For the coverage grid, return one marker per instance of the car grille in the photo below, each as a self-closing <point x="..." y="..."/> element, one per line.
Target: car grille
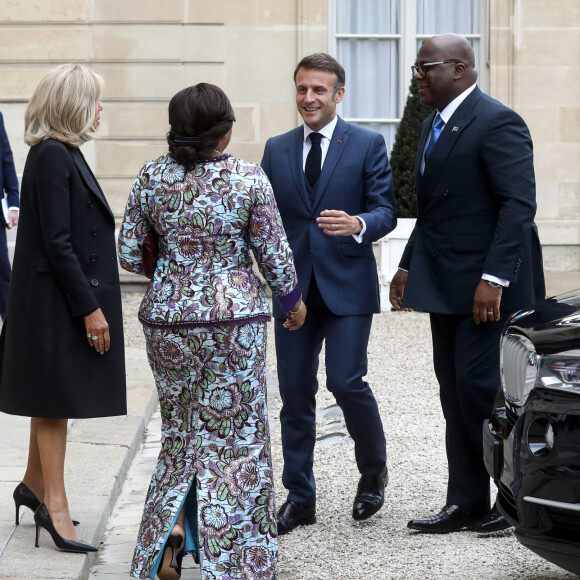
<point x="507" y="500"/>
<point x="518" y="364"/>
<point x="564" y="523"/>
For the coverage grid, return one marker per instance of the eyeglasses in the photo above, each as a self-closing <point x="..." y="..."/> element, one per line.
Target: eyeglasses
<point x="420" y="70"/>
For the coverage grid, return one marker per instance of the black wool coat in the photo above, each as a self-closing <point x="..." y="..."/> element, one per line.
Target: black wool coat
<point x="64" y="268"/>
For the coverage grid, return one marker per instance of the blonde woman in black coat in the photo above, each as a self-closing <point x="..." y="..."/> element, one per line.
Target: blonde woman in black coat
<point x="61" y="347"/>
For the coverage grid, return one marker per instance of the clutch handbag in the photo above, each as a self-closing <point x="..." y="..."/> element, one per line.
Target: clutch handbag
<point x="149" y="253"/>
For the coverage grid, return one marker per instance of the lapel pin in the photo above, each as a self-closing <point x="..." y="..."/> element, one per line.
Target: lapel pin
<point x="455" y="129"/>
<point x="338" y="141"/>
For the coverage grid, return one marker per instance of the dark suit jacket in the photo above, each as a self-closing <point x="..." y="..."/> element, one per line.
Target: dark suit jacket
<point x="356" y="178"/>
<point x="476" y="207"/>
<point x="8" y="179"/>
<point x="64" y="267"/>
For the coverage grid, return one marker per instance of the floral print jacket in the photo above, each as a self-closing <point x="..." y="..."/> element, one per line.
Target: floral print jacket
<point x="207" y="221"/>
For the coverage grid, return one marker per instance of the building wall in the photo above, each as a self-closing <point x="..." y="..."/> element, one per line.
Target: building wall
<point x="535" y="69"/>
<point x="148" y="50"/>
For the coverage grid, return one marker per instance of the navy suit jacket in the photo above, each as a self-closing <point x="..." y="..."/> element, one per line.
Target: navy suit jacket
<point x="356" y="178"/>
<point x="476" y="207"/>
<point x="8" y="179"/>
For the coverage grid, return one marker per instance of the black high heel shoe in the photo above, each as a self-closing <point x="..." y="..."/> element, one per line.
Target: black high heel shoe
<point x="24" y="497"/>
<point x="170" y="568"/>
<point x="43" y="520"/>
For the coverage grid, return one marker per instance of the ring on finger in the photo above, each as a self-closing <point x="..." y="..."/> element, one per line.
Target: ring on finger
<point x="94" y="337"/>
<point x="490" y="313"/>
<point x="335" y="226"/>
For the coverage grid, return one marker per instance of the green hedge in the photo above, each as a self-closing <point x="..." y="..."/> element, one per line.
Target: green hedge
<point x="404" y="151"/>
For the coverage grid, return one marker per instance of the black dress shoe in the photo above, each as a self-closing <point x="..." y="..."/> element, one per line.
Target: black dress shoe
<point x="451" y="518"/>
<point x="492" y="521"/>
<point x="293" y="514"/>
<point x="42" y="519"/>
<point x="370" y="495"/>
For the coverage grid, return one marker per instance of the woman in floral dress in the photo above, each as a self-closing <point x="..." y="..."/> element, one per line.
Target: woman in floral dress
<point x="204" y="317"/>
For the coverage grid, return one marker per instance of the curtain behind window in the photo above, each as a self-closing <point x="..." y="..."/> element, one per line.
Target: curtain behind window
<point x="440" y="16"/>
<point x="371" y="63"/>
<point x="368" y="45"/>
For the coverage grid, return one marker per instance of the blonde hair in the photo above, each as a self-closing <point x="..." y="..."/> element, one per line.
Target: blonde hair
<point x="63" y="106"/>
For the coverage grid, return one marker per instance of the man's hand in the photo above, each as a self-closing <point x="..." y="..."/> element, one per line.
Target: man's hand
<point x="486" y="303"/>
<point x="397" y="289"/>
<point x="338" y="223"/>
<point x="12" y="218"/>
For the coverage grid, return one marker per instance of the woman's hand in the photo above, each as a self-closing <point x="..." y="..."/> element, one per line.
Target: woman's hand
<point x="98" y="331"/>
<point x="296" y="316"/>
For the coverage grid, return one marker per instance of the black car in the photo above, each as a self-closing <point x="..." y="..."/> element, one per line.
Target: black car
<point x="532" y="443"/>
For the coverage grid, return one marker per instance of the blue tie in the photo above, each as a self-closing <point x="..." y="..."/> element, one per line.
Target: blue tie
<point x="435" y="132"/>
<point x="313" y="160"/>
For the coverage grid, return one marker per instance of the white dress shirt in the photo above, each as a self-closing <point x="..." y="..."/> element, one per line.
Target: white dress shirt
<point x="326" y="133"/>
<point x="445" y="115"/>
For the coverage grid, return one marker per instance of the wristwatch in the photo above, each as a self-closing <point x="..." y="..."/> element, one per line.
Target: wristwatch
<point x="494" y="284"/>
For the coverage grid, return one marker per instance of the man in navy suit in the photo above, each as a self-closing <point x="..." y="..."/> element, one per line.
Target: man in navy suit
<point x="8" y="186"/>
<point x="333" y="185"/>
<point x="473" y="258"/>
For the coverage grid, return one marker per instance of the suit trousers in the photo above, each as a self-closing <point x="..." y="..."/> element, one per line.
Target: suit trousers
<point x="4" y="271"/>
<point x="466" y="361"/>
<point x="346" y="339"/>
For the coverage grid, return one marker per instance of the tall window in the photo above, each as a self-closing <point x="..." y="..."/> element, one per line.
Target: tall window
<point x="377" y="42"/>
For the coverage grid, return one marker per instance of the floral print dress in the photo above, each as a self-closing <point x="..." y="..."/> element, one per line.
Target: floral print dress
<point x="204" y="316"/>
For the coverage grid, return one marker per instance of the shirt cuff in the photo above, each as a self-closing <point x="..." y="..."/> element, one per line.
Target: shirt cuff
<point x="287" y="301"/>
<point x="501" y="281"/>
<point x="13" y="209"/>
<point x="359" y="237"/>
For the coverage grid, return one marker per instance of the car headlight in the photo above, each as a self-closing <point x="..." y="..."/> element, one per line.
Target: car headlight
<point x="561" y="371"/>
<point x="519" y="367"/>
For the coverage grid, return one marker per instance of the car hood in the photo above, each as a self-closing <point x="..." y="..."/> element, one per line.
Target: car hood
<point x="553" y="325"/>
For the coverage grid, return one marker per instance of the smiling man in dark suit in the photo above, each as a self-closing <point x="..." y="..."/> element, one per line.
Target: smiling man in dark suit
<point x="333" y="185"/>
<point x="8" y="187"/>
<point x="473" y="258"/>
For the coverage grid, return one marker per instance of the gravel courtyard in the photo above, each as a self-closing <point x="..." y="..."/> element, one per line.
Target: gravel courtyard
<point x="382" y="548"/>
